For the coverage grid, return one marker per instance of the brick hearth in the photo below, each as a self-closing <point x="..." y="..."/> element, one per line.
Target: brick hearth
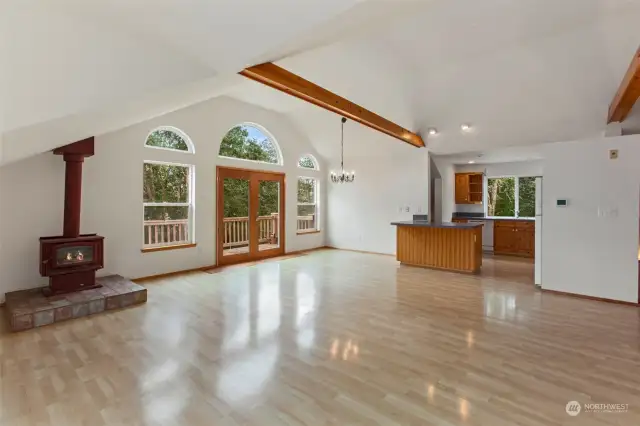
<point x="28" y="309"/>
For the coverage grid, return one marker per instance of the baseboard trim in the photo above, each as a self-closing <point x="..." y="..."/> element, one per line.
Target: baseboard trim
<point x="361" y="251"/>
<point x="597" y="299"/>
<point x="306" y="250"/>
<point x="210" y="267"/>
<point x="171" y="274"/>
<point x="435" y="268"/>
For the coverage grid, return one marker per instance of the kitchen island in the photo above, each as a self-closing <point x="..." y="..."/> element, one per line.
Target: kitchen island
<point x="444" y="245"/>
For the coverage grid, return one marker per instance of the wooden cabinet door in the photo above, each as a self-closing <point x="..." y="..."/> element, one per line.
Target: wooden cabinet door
<point x="530" y="245"/>
<point x="515" y="237"/>
<point x="462" y="188"/>
<point x="503" y="237"/>
<point x="525" y="241"/>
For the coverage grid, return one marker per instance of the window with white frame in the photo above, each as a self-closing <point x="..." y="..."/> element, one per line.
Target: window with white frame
<point x="308" y="161"/>
<point x="307" y="205"/>
<point x="511" y="196"/>
<point x="250" y="142"/>
<point x="169" y="138"/>
<point x="168" y="204"/>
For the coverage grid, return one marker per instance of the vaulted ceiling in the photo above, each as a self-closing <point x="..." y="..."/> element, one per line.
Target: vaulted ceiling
<point x="520" y="72"/>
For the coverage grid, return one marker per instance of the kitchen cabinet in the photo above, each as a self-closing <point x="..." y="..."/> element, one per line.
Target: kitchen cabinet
<point x="468" y="188"/>
<point x="452" y="247"/>
<point x="514" y="237"/>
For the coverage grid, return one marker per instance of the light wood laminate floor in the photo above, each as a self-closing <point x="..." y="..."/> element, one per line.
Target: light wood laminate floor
<point x="331" y="338"/>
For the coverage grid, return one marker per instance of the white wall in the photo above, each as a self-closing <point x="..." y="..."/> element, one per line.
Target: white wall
<point x="518" y="168"/>
<point x="360" y="212"/>
<point x="32" y="191"/>
<point x="447" y="191"/>
<point x="437" y="189"/>
<point x="582" y="251"/>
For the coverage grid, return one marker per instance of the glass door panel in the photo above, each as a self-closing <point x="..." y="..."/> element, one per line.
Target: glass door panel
<point x="268" y="215"/>
<point x="235" y="230"/>
<point x="250" y="215"/>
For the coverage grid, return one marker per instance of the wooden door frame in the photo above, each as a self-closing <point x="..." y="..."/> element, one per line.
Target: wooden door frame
<point x="253" y="176"/>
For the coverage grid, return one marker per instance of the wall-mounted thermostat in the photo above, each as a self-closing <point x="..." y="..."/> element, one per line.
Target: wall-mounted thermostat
<point x="562" y="203"/>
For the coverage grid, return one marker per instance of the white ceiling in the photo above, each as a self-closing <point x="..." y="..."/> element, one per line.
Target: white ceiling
<point x="68" y="66"/>
<point x="498" y="155"/>
<point x="521" y="72"/>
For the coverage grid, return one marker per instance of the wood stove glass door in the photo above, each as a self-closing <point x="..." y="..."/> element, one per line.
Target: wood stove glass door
<point x="249" y="215"/>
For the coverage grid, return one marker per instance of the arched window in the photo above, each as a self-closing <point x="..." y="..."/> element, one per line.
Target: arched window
<point x="308" y="161"/>
<point x="250" y="142"/>
<point x="169" y="138"/>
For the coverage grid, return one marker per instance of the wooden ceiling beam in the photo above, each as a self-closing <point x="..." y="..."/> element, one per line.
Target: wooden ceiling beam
<point x="628" y="92"/>
<point x="285" y="81"/>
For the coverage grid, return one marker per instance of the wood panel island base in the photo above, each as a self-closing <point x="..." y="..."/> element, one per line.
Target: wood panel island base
<point x="449" y="246"/>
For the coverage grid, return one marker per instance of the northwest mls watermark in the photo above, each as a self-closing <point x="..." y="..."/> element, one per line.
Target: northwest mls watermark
<point x="574" y="408"/>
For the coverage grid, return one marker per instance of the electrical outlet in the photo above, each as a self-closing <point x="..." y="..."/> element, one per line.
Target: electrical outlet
<point x="613" y="154"/>
<point x="407" y="209"/>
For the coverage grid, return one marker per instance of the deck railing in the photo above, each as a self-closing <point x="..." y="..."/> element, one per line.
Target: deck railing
<point x="236" y="230"/>
<point x="306" y="223"/>
<point x="166" y="232"/>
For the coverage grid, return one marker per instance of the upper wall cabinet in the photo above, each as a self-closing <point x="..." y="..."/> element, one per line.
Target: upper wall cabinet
<point x="469" y="188"/>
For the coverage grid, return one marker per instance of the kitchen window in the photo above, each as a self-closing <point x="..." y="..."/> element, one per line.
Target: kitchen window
<point x="511" y="196"/>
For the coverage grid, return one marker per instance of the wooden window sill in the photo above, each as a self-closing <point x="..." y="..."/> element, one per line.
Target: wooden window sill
<point x="308" y="232"/>
<point x="165" y="248"/>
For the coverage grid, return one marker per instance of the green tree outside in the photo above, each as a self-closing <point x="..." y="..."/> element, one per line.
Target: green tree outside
<point x="170" y="183"/>
<point x="164" y="138"/>
<point x="163" y="183"/>
<point x="306" y="162"/>
<point x="501" y="197"/>
<point x="238" y="143"/>
<point x="527" y="196"/>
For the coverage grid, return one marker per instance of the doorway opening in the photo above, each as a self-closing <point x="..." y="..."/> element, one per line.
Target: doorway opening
<point x="250" y="215"/>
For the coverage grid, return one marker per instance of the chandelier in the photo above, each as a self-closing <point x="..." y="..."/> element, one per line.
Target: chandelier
<point x="342" y="177"/>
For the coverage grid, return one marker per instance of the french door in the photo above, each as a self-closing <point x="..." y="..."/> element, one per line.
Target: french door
<point x="250" y="215"/>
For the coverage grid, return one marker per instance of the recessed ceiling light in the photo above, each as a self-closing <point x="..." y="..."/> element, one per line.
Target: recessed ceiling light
<point x="465" y="127"/>
<point x="433" y="131"/>
<point x="471" y="161"/>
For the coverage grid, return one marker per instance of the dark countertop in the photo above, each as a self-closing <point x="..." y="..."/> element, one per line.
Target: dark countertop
<point x="492" y="218"/>
<point x="425" y="224"/>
